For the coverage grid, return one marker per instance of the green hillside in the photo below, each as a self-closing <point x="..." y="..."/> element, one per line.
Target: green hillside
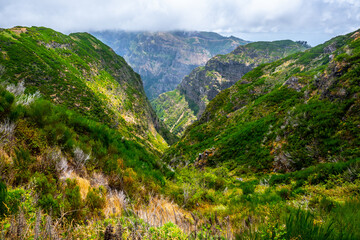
<point x="83" y="74"/>
<point x="78" y="138"/>
<point x="299" y="109"/>
<point x="182" y="106"/>
<point x="278" y="152"/>
<point x="275" y="156"/>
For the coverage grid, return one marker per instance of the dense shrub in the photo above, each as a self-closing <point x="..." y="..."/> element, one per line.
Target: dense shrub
<point x="48" y="194"/>
<point x="284" y="193"/>
<point x="3" y="195"/>
<point x="248" y="188"/>
<point x="95" y="199"/>
<point x="22" y="163"/>
<point x="73" y="201"/>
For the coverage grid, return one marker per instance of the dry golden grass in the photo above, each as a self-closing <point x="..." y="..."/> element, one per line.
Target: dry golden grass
<point x="83" y="184"/>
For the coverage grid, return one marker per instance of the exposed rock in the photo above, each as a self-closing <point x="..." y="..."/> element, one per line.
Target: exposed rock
<point x="356" y="35"/>
<point x="202" y="159"/>
<point x="330" y="48"/>
<point x="163" y="59"/>
<point x="55" y="45"/>
<point x="293" y="82"/>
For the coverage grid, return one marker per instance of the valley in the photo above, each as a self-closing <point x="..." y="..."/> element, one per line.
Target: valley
<point x="197" y="89"/>
<point x="266" y="146"/>
<point x="164" y="58"/>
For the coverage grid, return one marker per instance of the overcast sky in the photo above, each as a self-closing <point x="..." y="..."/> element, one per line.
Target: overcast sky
<point x="311" y="20"/>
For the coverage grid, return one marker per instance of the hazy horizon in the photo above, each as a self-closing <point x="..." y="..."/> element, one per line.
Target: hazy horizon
<point x="312" y="21"/>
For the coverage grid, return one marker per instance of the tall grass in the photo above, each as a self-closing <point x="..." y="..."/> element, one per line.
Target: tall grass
<point x="300" y="225"/>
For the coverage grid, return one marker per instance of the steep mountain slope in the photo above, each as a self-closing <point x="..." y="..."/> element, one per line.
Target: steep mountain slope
<point x="64" y="175"/>
<point x="78" y="143"/>
<point x="283" y="116"/>
<point x="179" y="108"/>
<point x="83" y="74"/>
<point x="164" y="58"/>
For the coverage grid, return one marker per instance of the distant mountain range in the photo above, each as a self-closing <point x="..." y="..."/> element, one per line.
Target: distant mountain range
<point x="163" y="59"/>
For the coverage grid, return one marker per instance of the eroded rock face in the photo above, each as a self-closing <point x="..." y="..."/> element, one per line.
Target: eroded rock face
<point x="204" y="83"/>
<point x="223" y="71"/>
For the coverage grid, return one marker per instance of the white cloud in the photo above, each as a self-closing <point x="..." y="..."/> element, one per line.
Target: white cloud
<point x="275" y="17"/>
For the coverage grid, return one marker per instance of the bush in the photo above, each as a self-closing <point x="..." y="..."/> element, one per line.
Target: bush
<point x="22" y="163"/>
<point x="326" y="205"/>
<point x="3" y="195"/>
<point x="95" y="199"/>
<point x="14" y="199"/>
<point x="284" y="193"/>
<point x="73" y="201"/>
<point x="6" y="101"/>
<point x="40" y="112"/>
<point x="248" y="188"/>
<point x="46" y="188"/>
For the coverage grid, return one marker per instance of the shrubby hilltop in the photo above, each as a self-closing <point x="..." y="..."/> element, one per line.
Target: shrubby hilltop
<point x="83" y="74"/>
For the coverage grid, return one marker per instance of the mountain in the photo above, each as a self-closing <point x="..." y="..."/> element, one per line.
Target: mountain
<point x="164" y="58"/>
<point x="285" y="115"/>
<point x="277" y="153"/>
<point x="78" y="137"/>
<point x="272" y="157"/>
<point x="182" y="106"/>
<point x="83" y="74"/>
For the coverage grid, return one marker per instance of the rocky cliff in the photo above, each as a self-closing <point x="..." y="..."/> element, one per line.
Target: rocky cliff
<point x="219" y="73"/>
<point x="164" y="58"/>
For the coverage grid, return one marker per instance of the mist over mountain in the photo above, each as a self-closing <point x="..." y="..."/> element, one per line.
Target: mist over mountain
<point x="164" y="58"/>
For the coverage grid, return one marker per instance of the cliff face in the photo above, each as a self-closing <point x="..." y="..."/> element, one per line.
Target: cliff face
<point x="219" y="73"/>
<point x="164" y="58"/>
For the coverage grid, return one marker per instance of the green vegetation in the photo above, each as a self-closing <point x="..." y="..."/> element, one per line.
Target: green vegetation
<point x="275" y="156"/>
<point x="83" y="74"/>
<point x="219" y="73"/>
<point x="173" y="109"/>
<point x="64" y="142"/>
<point x="285" y="138"/>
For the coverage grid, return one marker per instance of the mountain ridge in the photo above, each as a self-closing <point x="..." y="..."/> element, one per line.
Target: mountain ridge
<point x="222" y="71"/>
<point x="87" y="72"/>
<point x="250" y="109"/>
<point x="164" y="58"/>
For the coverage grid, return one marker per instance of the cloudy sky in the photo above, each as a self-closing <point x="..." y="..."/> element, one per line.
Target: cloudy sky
<point x="311" y="20"/>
